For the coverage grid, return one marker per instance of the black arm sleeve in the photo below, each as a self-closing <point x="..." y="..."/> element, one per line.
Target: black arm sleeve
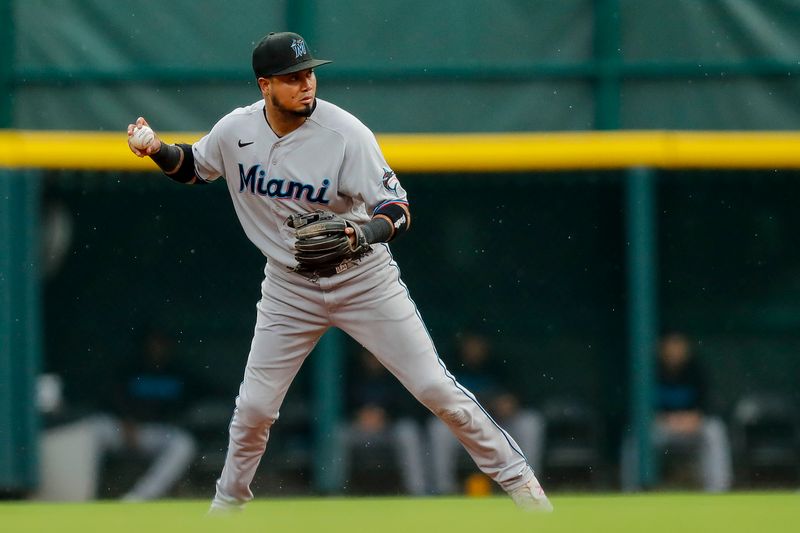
<point x="167" y="158"/>
<point x="177" y="162"/>
<point x="377" y="230"/>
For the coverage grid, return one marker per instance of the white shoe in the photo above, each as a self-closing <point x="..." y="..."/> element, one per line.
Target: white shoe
<point x="219" y="511"/>
<point x="531" y="497"/>
<point x="221" y="508"/>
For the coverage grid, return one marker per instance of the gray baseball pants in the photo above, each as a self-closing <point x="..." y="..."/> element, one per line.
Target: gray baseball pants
<point x="371" y="304"/>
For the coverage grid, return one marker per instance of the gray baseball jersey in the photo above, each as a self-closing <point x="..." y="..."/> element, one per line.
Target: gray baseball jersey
<point x="331" y="162"/>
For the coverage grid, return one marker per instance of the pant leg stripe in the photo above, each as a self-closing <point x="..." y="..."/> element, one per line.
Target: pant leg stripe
<point x="441" y="363"/>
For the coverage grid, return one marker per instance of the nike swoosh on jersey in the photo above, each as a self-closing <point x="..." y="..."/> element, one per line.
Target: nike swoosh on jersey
<point x="242" y="145"/>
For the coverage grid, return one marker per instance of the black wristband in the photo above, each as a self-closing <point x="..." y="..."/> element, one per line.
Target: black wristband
<point x="377" y="230"/>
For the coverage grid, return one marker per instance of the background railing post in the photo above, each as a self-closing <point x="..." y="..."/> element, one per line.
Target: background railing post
<point x="20" y="332"/>
<point x="642" y="246"/>
<point x="7" y="63"/>
<point x="608" y="56"/>
<point x="327" y="392"/>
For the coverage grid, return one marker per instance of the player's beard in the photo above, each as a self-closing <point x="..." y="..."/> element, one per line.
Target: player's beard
<point x="304" y="112"/>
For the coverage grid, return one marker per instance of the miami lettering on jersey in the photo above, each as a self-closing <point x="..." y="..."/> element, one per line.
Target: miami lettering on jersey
<point x="255" y="180"/>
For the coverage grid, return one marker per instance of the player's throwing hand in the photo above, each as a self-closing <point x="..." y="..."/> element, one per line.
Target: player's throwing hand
<point x="142" y="140"/>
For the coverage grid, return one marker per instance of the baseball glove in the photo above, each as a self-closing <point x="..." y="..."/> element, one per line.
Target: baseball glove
<point x="322" y="247"/>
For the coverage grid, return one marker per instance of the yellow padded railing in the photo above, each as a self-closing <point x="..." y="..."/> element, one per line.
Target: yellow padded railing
<point x="485" y="152"/>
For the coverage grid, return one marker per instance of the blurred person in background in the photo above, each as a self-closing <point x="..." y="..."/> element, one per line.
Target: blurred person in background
<point x="681" y="419"/>
<point x="480" y="372"/>
<point x="381" y="415"/>
<point x="150" y="396"/>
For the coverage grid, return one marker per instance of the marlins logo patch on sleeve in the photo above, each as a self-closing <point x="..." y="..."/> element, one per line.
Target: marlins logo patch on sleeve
<point x="391" y="183"/>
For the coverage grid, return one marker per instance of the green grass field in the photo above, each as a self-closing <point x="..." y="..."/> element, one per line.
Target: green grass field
<point x="652" y="513"/>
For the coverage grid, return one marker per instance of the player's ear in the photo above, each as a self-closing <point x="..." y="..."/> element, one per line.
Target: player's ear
<point x="263" y="84"/>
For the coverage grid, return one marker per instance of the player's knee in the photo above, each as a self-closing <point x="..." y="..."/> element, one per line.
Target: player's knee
<point x="255" y="414"/>
<point x="453" y="416"/>
<point x="433" y="396"/>
<point x="438" y="397"/>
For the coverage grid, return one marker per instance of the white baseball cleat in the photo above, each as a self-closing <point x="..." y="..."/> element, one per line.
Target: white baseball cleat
<point x="530" y="497"/>
<point x="222" y="508"/>
<point x="219" y="511"/>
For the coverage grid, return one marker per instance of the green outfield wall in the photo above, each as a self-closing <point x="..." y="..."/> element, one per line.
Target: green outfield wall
<point x="411" y="66"/>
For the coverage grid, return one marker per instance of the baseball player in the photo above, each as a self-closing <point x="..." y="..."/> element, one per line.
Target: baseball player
<point x="314" y="193"/>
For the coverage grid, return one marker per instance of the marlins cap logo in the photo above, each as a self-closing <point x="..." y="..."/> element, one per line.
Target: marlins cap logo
<point x="299" y="47"/>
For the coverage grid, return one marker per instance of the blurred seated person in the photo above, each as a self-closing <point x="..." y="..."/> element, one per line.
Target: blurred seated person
<point x="482" y="374"/>
<point x="152" y="395"/>
<point x="681" y="420"/>
<point x="380" y="416"/>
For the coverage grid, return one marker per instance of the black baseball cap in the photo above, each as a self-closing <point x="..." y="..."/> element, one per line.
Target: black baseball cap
<point x="283" y="53"/>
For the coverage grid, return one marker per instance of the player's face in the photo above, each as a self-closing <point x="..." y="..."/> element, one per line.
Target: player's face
<point x="293" y="93"/>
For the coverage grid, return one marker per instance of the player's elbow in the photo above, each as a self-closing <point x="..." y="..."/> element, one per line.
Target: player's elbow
<point x="184" y="172"/>
<point x="407" y="209"/>
<point x="397" y="214"/>
<point x="402" y="223"/>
